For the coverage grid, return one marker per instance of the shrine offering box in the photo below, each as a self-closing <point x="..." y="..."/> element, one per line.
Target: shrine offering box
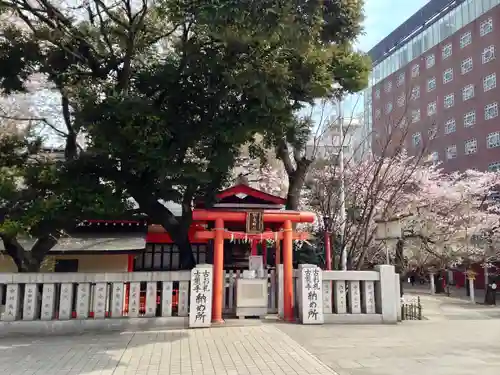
<point x="251" y="297"/>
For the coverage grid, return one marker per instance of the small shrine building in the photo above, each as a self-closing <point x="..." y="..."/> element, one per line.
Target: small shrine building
<point x="243" y="221"/>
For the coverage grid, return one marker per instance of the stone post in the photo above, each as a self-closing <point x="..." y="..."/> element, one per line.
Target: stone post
<point x="279" y="269"/>
<point x="300" y="290"/>
<point x="433" y="285"/>
<point x="386" y="293"/>
<point x="311" y="295"/>
<point x="398" y="297"/>
<point x="471" y="287"/>
<point x="200" y="304"/>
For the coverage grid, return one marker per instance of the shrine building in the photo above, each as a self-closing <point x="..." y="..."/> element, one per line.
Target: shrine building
<point x="243" y="221"/>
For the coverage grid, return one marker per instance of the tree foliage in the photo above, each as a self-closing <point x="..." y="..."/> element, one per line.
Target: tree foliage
<point x="167" y="91"/>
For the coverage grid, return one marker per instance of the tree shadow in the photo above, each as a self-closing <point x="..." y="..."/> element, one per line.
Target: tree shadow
<point x="83" y="353"/>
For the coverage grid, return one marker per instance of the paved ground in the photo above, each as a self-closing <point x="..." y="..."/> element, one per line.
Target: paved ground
<point x="256" y="349"/>
<point x="457" y="339"/>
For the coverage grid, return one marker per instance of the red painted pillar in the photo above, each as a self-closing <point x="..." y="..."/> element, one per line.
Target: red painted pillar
<point x="130" y="268"/>
<point x="288" y="272"/>
<point x="264" y="252"/>
<point x="254" y="247"/>
<point x="328" y="251"/>
<point x="218" y="271"/>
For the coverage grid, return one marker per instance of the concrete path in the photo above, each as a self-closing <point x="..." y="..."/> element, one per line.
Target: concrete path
<point x="250" y="350"/>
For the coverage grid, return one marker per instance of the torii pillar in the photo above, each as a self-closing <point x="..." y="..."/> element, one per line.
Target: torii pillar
<point x="288" y="315"/>
<point x="218" y="263"/>
<point x="219" y="234"/>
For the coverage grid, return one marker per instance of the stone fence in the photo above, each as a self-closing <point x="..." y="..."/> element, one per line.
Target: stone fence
<point x="346" y="296"/>
<point x="77" y="302"/>
<point x="72" y="302"/>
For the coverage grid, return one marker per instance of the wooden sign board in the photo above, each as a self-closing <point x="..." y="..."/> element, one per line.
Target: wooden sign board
<point x="255" y="222"/>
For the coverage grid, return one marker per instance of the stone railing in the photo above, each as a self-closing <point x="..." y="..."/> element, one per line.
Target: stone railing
<point x="346" y="296"/>
<point x="49" y="302"/>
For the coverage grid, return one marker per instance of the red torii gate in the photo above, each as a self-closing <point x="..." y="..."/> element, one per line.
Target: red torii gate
<point x="219" y="233"/>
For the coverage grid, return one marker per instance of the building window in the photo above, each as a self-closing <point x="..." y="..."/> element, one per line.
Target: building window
<point x="493" y="140"/>
<point x="430" y="60"/>
<point x="166" y="257"/>
<point x="415" y="71"/>
<point x="466" y="65"/>
<point x="465" y="39"/>
<point x="448" y="75"/>
<point x="388" y="107"/>
<point x="488" y="54"/>
<point x="490" y="82"/>
<point x="432" y="132"/>
<point x="401" y="79"/>
<point x="486" y="27"/>
<point x="377" y="114"/>
<point x="431" y="84"/>
<point x="388" y="86"/>
<point x="415" y="115"/>
<point x="401" y="100"/>
<point x="449" y="100"/>
<point x="431" y="108"/>
<point x="470" y="146"/>
<point x="450" y="126"/>
<point x="377" y="94"/>
<point x="415" y="93"/>
<point x="451" y="152"/>
<point x="417" y="139"/>
<point x="468" y="92"/>
<point x="446" y="51"/>
<point x="490" y="111"/>
<point x="469" y="119"/>
<point x="494" y="167"/>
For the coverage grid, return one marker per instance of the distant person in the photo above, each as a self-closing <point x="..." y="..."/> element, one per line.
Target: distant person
<point x="412" y="279"/>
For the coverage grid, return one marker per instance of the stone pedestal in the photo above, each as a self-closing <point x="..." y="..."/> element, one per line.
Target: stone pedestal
<point x="200" y="312"/>
<point x="251" y="297"/>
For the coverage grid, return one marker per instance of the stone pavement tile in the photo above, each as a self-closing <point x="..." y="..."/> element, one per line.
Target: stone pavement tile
<point x="447" y="347"/>
<point x="250" y="350"/>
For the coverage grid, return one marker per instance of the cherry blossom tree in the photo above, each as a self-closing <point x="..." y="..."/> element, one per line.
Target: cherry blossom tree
<point x="456" y="216"/>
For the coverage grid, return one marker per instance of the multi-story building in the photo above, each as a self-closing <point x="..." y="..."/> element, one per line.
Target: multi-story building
<point x="328" y="144"/>
<point x="435" y="79"/>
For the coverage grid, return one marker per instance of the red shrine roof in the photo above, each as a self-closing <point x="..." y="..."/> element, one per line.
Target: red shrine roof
<point x="242" y="195"/>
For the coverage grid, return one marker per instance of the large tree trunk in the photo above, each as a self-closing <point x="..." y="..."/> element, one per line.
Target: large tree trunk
<point x="28" y="260"/>
<point x="296" y="181"/>
<point x="176" y="227"/>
